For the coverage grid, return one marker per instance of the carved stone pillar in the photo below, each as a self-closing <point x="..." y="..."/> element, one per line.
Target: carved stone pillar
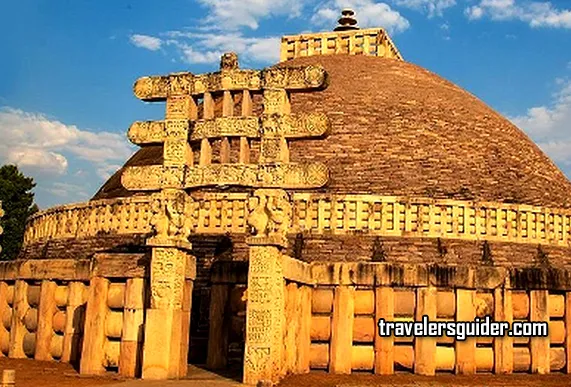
<point x="167" y="321"/>
<point x="270" y="217"/>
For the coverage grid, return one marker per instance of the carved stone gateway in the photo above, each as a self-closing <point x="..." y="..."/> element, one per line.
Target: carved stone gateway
<point x="167" y="324"/>
<point x="271" y="208"/>
<point x="183" y="128"/>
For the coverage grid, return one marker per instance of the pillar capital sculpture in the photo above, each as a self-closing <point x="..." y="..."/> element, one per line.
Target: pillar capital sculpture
<point x="270" y="217"/>
<point x="170" y="222"/>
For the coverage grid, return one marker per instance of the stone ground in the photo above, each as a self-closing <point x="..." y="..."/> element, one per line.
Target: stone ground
<point x="30" y="373"/>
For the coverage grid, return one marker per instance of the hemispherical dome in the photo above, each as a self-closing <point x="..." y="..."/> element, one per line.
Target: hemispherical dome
<point x="400" y="130"/>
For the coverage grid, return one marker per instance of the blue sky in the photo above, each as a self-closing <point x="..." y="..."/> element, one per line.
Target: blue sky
<point x="67" y="67"/>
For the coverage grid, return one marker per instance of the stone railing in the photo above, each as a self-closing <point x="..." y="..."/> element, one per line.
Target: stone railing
<point x="332" y="311"/>
<point x="418" y="217"/>
<point x="217" y="213"/>
<point x="349" y="299"/>
<point x="212" y="214"/>
<point x="114" y="216"/>
<point x="55" y="309"/>
<point x="372" y="42"/>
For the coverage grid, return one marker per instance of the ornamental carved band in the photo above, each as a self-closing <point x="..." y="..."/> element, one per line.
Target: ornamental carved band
<point x="182" y="131"/>
<point x="276" y="175"/>
<point x="289" y="126"/>
<point x="159" y="88"/>
<point x="167" y="277"/>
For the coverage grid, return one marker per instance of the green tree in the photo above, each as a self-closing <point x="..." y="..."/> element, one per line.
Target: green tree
<point x="18" y="204"/>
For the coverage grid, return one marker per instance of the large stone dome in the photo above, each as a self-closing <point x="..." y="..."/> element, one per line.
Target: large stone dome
<point x="398" y="129"/>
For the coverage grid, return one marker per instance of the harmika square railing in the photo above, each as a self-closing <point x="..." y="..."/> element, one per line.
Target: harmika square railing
<point x="372" y="42"/>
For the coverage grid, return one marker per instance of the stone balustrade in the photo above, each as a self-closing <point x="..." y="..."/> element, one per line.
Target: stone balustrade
<point x="332" y="311"/>
<point x="372" y="41"/>
<point x="121" y="216"/>
<point x="218" y="213"/>
<point x="420" y="217"/>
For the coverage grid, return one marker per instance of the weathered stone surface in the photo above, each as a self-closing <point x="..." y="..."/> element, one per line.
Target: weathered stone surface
<point x="167" y="319"/>
<point x="274" y="175"/>
<point x="265" y="316"/>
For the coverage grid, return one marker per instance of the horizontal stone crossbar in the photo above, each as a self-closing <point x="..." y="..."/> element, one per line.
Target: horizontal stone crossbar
<point x="158" y="88"/>
<point x="106" y="265"/>
<point x="271" y="175"/>
<point x="380" y="274"/>
<point x="288" y="125"/>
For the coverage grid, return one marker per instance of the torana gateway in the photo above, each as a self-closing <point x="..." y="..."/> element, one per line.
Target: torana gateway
<point x="275" y="215"/>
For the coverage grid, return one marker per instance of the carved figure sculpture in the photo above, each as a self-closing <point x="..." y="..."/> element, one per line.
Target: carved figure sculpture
<point x="171" y="218"/>
<point x="229" y="61"/>
<point x="270" y="213"/>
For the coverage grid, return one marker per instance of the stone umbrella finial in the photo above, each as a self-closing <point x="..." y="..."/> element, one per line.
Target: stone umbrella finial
<point x="229" y="61"/>
<point x="347" y="21"/>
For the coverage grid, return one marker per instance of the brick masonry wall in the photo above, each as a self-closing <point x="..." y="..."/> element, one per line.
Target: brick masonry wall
<point x="353" y="248"/>
<point x="398" y="129"/>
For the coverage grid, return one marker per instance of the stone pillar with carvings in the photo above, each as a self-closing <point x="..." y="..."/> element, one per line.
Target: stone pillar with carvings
<point x="168" y="318"/>
<point x="269" y="219"/>
<point x="167" y="323"/>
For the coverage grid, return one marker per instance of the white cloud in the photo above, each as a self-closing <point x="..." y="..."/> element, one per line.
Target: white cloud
<point x="432" y="7"/>
<point x="200" y="47"/>
<point x="536" y="14"/>
<point x="222" y="30"/>
<point x="66" y="190"/>
<point x="146" y="41"/>
<point x="559" y="151"/>
<point x="550" y="125"/>
<point x="474" y="13"/>
<point x="41" y="144"/>
<point x="369" y="13"/>
<point x="38" y="159"/>
<point x="191" y="55"/>
<point x="233" y="14"/>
